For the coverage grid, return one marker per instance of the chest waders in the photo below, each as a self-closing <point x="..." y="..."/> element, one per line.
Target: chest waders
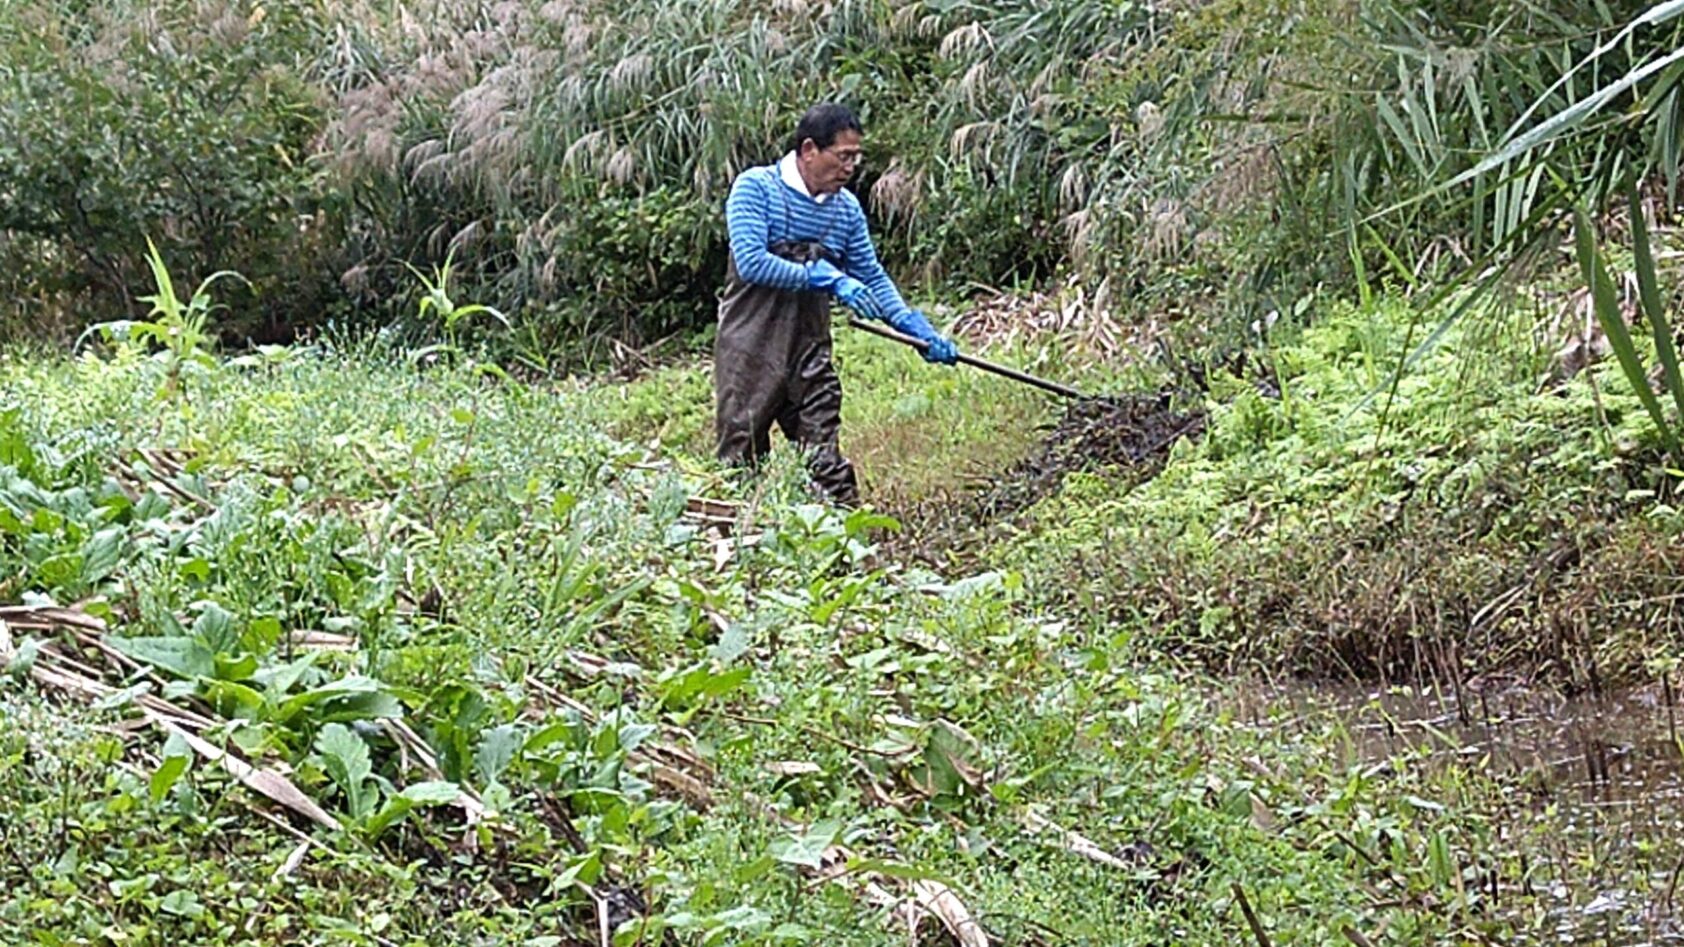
<point x="771" y="364"/>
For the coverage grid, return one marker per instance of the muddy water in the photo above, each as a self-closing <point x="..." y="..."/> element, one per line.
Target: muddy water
<point x="1599" y="782"/>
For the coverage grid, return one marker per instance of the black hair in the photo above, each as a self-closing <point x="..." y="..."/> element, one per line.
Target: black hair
<point x="823" y="122"/>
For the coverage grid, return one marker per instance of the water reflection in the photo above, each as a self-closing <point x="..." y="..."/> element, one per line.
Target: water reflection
<point x="1604" y="776"/>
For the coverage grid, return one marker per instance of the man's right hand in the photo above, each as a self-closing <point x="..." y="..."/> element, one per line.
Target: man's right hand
<point x="823" y="275"/>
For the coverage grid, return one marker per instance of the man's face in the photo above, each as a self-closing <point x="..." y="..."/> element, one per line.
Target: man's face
<point x="826" y="170"/>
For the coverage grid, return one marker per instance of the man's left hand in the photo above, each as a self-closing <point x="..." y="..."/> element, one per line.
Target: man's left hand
<point x="938" y="349"/>
<point x="941" y="351"/>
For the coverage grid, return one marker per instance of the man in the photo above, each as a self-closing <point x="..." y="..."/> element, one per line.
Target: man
<point x="797" y="240"/>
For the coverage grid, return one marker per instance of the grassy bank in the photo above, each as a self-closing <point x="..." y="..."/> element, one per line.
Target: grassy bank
<point x="532" y="686"/>
<point x="1490" y="514"/>
<point x="1493" y="514"/>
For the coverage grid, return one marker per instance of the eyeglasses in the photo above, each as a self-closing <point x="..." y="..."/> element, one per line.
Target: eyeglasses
<point x="853" y="157"/>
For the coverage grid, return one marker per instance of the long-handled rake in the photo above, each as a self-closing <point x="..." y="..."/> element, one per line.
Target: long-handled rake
<point x="1062" y="390"/>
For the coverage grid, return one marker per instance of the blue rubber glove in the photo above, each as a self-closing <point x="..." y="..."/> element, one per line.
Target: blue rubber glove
<point x="940" y="350"/>
<point x="823" y="275"/>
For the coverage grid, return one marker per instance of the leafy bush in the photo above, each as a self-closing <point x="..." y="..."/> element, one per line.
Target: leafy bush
<point x="1328" y="528"/>
<point x="1217" y="159"/>
<point x="653" y="260"/>
<point x="183" y="122"/>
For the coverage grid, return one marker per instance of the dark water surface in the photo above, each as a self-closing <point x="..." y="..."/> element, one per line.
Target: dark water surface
<point x="1598" y="781"/>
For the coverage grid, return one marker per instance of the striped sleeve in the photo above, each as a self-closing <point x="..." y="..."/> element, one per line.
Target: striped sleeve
<point x="864" y="266"/>
<point x="747" y="218"/>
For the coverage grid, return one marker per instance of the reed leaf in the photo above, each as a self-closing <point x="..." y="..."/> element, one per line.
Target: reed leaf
<point x="1649" y="292"/>
<point x="1613" y="323"/>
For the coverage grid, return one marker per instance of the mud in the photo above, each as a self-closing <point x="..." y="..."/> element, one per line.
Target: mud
<point x="1128" y="434"/>
<point x="1132" y="432"/>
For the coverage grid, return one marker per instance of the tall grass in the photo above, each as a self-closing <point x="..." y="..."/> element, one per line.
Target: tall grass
<point x="1206" y="161"/>
<point x="1611" y="317"/>
<point x="597" y="119"/>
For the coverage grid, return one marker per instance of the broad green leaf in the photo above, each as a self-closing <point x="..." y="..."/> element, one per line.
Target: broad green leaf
<point x="584" y="869"/>
<point x="949" y="766"/>
<point x="345" y="757"/>
<point x="345" y="753"/>
<point x="383" y="705"/>
<point x="59" y="571"/>
<point x="183" y="657"/>
<point x="177" y="755"/>
<point x="396" y="808"/>
<point x="235" y="669"/>
<point x="349" y="698"/>
<point x="182" y="903"/>
<point x="351" y="684"/>
<point x="14" y="448"/>
<point x="793" y="933"/>
<point x="434" y="793"/>
<point x="732" y="644"/>
<point x="233" y="699"/>
<point x="497" y="748"/>
<point x="181" y="690"/>
<point x="262" y="634"/>
<point x="742" y="918"/>
<point x="702" y="681"/>
<point x="553" y="733"/>
<point x="198" y="569"/>
<point x="23" y="658"/>
<point x="277" y="681"/>
<point x="563" y="504"/>
<point x="597" y="800"/>
<point x="807" y="848"/>
<point x="102" y="553"/>
<point x="164" y="777"/>
<point x="215" y="627"/>
<point x="718" y="685"/>
<point x="632" y="735"/>
<point x="754" y="869"/>
<point x="152" y="506"/>
<point x="823" y="612"/>
<point x="894" y="869"/>
<point x="861" y="520"/>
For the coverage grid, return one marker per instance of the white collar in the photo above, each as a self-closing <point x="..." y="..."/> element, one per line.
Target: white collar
<point x="791" y="173"/>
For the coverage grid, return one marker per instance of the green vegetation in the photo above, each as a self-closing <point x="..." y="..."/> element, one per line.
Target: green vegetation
<point x="1203" y="162"/>
<point x="333" y="610"/>
<point x="530" y="684"/>
<point x="1432" y="531"/>
<point x="479" y="545"/>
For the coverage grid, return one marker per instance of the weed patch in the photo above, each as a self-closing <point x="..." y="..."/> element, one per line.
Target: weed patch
<point x="404" y="588"/>
<point x="1444" y="534"/>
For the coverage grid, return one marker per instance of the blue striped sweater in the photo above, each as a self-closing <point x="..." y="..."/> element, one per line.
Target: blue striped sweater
<point x="763" y="210"/>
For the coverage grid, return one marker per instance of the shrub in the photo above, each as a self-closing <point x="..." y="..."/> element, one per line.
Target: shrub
<point x="184" y="122"/>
